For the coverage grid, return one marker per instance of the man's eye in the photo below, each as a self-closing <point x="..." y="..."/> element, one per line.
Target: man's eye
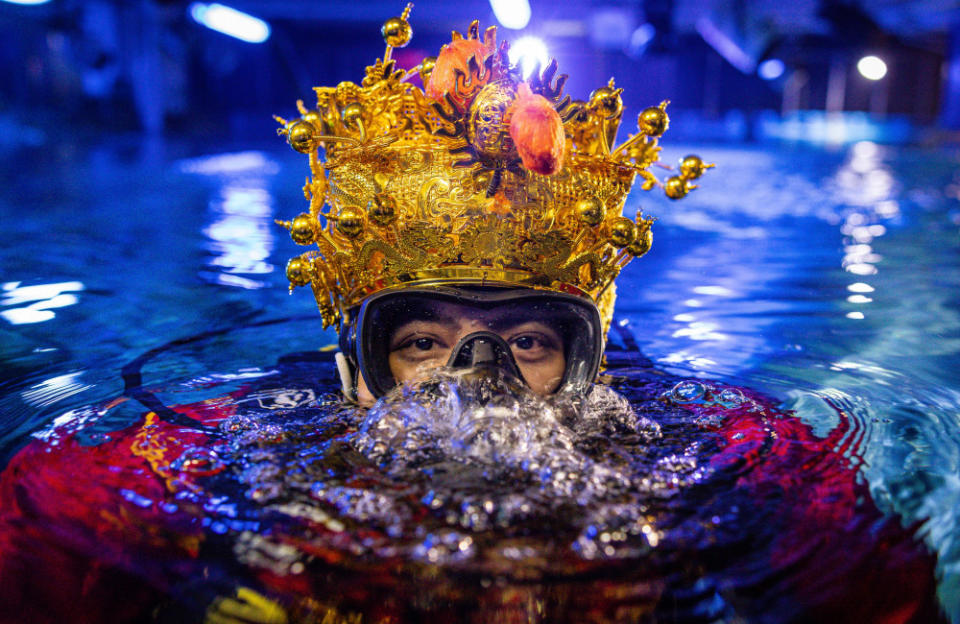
<point x="525" y="342"/>
<point x="423" y="344"/>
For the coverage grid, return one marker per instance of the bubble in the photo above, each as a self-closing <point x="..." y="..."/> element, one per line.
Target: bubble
<point x="688" y="392"/>
<point x="494" y="424"/>
<point x="709" y="419"/>
<point x="730" y="398"/>
<point x="363" y="505"/>
<point x="198" y="461"/>
<point x="265" y="552"/>
<point x="260" y="473"/>
<point x="485" y="419"/>
<point x="237" y="424"/>
<point x="262" y="434"/>
<point x="96" y="438"/>
<point x="265" y="492"/>
<point x="445" y="547"/>
<point x="616" y="531"/>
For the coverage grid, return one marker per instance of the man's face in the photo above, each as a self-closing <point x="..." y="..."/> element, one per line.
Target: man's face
<point x="426" y="339"/>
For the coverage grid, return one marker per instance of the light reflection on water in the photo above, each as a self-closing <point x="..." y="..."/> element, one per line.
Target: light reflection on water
<point x="55" y="389"/>
<point x="847" y="296"/>
<point x="828" y="280"/>
<point x="242" y="231"/>
<point x="242" y="235"/>
<point x="41" y="300"/>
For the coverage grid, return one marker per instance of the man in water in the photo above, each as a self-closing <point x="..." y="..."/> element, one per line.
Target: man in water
<point x="484" y="202"/>
<point x="474" y="225"/>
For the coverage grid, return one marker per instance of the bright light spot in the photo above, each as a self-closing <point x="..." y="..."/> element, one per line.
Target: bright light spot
<point x="513" y="14"/>
<point x="22" y="294"/>
<point x="864" y="234"/>
<point x="29" y="2"/>
<point x="861" y="234"/>
<point x="872" y="67"/>
<point x="53" y="390"/>
<point x="859" y="299"/>
<point x="855" y="315"/>
<point x="528" y="52"/>
<point x="856" y="218"/>
<point x="692" y="361"/>
<point x="26" y="316"/>
<point x="60" y="301"/>
<point x="887" y="209"/>
<point x="858" y="250"/>
<point x="864" y="367"/>
<point x="241" y="238"/>
<point x="771" y="69"/>
<point x="860" y="287"/>
<point x="835" y="130"/>
<point x="860" y="254"/>
<point x="700" y="330"/>
<point x="861" y="268"/>
<point x="865" y="149"/>
<point x="716" y="291"/>
<point x="44" y="297"/>
<point x="230" y="21"/>
<point x="641" y="37"/>
<point x="237" y="162"/>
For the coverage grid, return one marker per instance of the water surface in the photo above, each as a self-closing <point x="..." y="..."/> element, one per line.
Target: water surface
<point x="825" y="279"/>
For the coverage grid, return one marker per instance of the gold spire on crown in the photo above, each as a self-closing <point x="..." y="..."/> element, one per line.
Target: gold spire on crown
<point x="425" y="186"/>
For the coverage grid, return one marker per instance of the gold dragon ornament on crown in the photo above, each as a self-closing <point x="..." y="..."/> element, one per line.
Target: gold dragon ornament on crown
<point x="481" y="177"/>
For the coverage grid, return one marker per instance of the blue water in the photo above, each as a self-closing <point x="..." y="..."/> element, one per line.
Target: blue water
<point x="826" y="278"/>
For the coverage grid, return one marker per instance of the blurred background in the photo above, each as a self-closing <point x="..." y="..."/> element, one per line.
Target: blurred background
<point x="884" y="70"/>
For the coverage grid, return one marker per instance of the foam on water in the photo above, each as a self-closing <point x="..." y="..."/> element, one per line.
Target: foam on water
<point x="474" y="470"/>
<point x="497" y="426"/>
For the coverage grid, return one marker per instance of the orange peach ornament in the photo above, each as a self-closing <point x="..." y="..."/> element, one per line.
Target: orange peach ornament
<point x="537" y="132"/>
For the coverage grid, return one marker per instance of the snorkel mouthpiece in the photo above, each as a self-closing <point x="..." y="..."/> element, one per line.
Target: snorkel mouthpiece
<point x="484" y="350"/>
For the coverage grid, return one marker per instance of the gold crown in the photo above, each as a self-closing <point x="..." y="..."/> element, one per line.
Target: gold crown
<point x="481" y="177"/>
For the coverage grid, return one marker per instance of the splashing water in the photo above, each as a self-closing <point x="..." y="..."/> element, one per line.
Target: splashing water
<point x="478" y="472"/>
<point x="458" y="421"/>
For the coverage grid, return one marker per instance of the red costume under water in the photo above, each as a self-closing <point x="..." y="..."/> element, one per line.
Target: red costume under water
<point x="103" y="532"/>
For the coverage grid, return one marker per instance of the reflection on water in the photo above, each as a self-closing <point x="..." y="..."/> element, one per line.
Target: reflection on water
<point x="242" y="230"/>
<point x="41" y="300"/>
<point x="866" y="185"/>
<point x="236" y="163"/>
<point x="848" y="285"/>
<point x="242" y="236"/>
<point x="55" y="389"/>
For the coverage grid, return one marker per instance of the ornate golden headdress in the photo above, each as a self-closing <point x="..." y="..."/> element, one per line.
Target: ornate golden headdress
<point x="481" y="177"/>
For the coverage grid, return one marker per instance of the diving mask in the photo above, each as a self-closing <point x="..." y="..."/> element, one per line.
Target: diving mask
<point x="546" y="339"/>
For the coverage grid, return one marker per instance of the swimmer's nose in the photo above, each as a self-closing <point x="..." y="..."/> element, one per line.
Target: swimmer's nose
<point x="484" y="349"/>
